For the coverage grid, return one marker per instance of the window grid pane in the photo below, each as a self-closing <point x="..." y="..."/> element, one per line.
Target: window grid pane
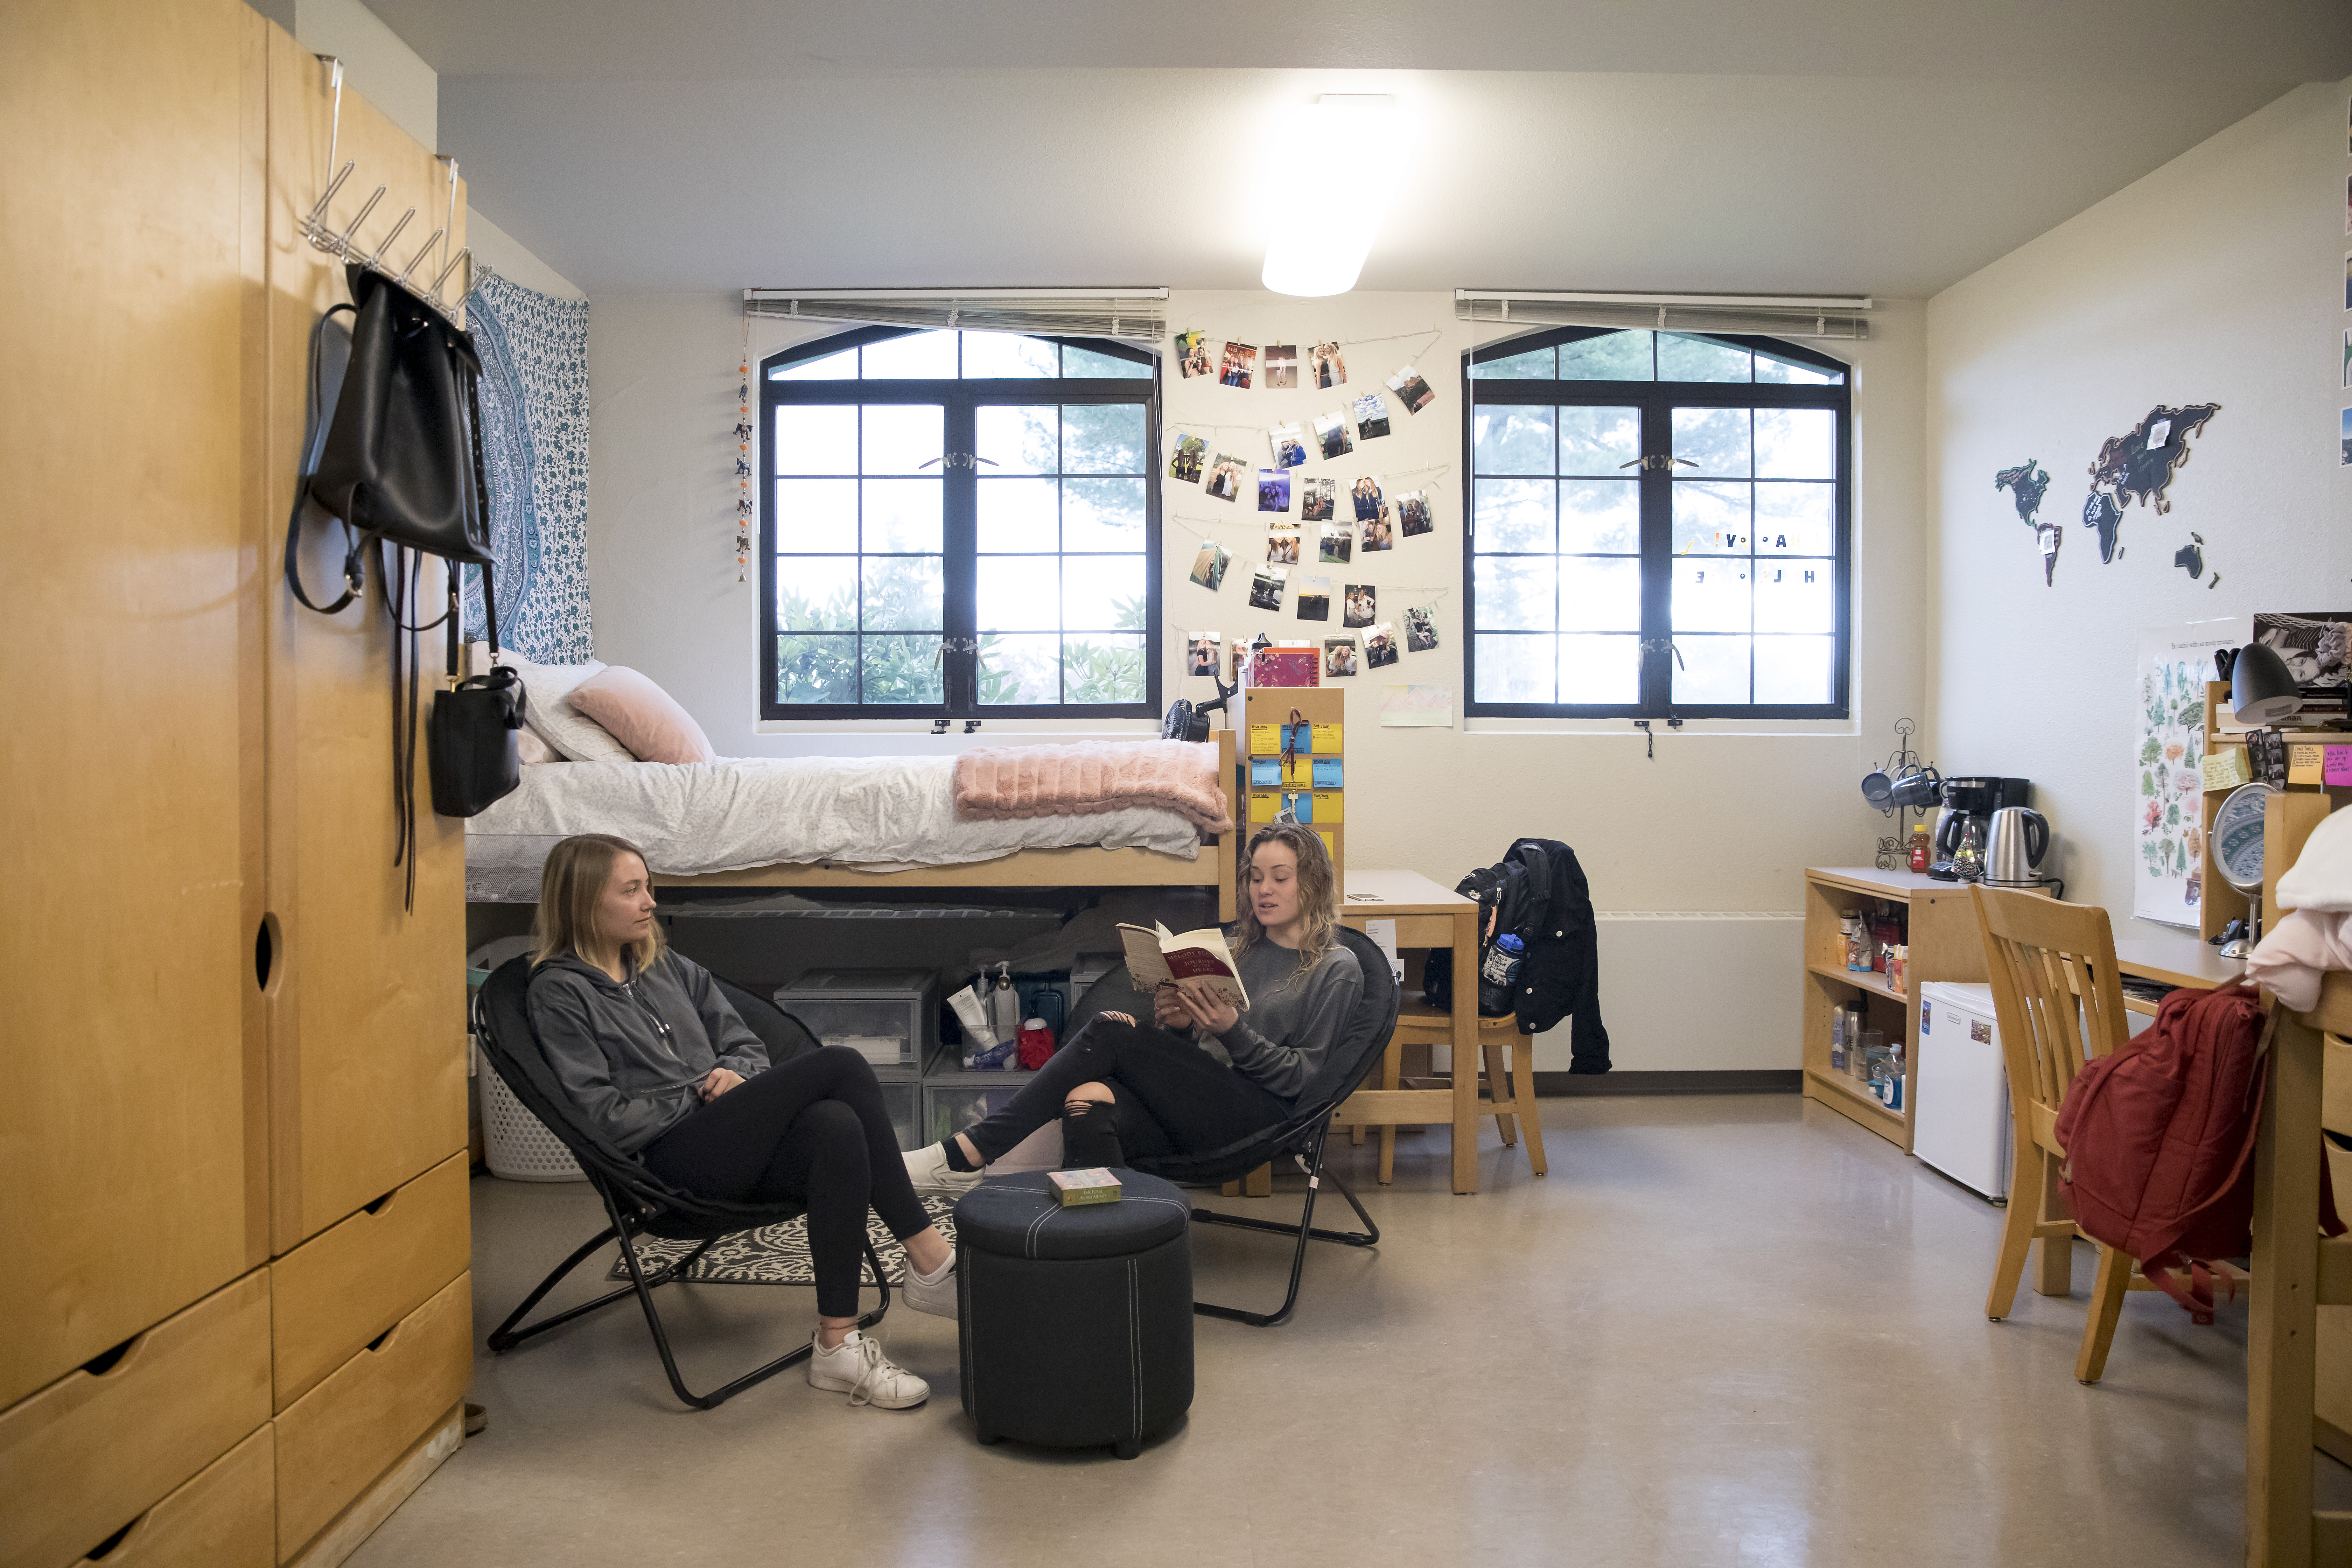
<point x="1753" y="607"/>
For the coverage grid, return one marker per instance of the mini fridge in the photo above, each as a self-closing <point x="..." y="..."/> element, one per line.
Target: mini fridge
<point x="1960" y="1124"/>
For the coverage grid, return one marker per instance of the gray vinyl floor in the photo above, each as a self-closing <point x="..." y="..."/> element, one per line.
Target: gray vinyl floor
<point x="1734" y="1330"/>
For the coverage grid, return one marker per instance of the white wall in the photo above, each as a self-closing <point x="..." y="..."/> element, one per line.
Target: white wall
<point x="2217" y="278"/>
<point x="496" y="249"/>
<point x="1722" y="820"/>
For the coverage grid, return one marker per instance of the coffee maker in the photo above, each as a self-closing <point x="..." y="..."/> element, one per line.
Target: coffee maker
<point x="1969" y="801"/>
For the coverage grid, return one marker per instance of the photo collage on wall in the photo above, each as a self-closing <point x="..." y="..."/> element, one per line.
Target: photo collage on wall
<point x="1340" y="518"/>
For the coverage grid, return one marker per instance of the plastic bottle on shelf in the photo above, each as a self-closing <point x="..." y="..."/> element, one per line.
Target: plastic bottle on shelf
<point x="1838" y="1016"/>
<point x="1922" y="847"/>
<point x="1004" y="1005"/>
<point x="1857" y="950"/>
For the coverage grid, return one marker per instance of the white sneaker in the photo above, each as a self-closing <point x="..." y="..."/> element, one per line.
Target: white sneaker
<point x="936" y="1296"/>
<point x="857" y="1366"/>
<point x="928" y="1168"/>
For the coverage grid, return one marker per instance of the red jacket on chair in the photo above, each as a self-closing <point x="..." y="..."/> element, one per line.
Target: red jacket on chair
<point x="2159" y="1139"/>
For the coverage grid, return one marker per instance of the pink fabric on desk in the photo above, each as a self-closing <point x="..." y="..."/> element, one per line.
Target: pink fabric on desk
<point x="998" y="783"/>
<point x="2296" y="952"/>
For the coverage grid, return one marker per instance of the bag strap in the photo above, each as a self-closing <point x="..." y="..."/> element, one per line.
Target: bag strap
<point x="355" y="543"/>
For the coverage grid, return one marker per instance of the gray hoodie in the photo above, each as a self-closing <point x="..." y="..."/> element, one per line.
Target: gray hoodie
<point x="1293" y="1020"/>
<point x="631" y="1053"/>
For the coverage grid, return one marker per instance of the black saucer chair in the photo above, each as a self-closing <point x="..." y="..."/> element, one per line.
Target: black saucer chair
<point x="637" y="1202"/>
<point x="1303" y="1135"/>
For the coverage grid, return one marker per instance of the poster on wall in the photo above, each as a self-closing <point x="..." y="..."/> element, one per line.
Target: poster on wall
<point x="2168" y="758"/>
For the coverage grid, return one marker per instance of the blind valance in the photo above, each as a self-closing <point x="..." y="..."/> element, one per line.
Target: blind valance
<point x="1768" y="315"/>
<point x="1132" y="315"/>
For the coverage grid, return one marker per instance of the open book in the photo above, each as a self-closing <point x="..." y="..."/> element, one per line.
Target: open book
<point x="1156" y="957"/>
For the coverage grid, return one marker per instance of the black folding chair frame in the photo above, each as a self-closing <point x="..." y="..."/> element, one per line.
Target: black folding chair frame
<point x="1312" y="1163"/>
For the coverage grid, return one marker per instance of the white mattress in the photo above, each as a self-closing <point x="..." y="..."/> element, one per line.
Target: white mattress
<point x="885" y="814"/>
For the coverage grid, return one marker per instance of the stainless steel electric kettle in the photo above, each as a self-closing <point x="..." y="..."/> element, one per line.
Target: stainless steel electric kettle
<point x="2014" y="848"/>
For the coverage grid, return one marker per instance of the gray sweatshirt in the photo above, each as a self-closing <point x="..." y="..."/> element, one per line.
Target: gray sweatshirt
<point x="631" y="1053"/>
<point x="1293" y="1019"/>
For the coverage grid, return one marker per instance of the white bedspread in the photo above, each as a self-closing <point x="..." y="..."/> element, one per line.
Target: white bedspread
<point x="885" y="813"/>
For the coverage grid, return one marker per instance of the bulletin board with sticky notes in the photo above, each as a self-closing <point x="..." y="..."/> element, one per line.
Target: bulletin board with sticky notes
<point x="1297" y="742"/>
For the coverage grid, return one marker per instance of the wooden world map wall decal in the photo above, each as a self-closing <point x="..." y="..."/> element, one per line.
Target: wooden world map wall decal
<point x="2138" y="466"/>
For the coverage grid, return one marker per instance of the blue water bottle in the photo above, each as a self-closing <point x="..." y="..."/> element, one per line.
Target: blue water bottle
<point x="1498" y="976"/>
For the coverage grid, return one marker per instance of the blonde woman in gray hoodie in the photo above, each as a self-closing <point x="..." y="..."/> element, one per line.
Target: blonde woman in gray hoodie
<point x="646" y="1046"/>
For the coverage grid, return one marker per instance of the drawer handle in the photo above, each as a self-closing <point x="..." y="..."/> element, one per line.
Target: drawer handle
<point x="265" y="941"/>
<point x="378" y="1206"/>
<point x="105" y="1548"/>
<point x="377" y="1343"/>
<point x="106" y="1360"/>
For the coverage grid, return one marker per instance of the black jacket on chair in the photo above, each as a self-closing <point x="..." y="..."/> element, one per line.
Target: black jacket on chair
<point x="1561" y="977"/>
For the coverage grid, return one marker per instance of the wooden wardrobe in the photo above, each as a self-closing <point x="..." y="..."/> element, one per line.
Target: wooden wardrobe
<point x="236" y="1320"/>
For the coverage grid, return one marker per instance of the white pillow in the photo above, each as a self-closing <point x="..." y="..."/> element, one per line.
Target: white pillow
<point x="549" y="712"/>
<point x="531" y="748"/>
<point x="2321" y="878"/>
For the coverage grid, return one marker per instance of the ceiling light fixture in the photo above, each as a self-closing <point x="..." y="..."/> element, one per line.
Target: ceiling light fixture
<point x="1347" y="143"/>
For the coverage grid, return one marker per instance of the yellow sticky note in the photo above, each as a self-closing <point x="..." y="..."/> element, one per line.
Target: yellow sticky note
<point x="2225" y="768"/>
<point x="1331" y="843"/>
<point x="1299" y="770"/>
<point x="1326" y="806"/>
<point x="1266" y="740"/>
<point x="1263" y="806"/>
<point x="1326" y="740"/>
<point x="2304" y="764"/>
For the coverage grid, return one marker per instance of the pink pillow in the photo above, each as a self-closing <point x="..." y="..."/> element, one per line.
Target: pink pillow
<point x="642" y="717"/>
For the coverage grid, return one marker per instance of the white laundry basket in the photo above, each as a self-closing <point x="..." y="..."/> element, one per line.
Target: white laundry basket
<point x="515" y="1143"/>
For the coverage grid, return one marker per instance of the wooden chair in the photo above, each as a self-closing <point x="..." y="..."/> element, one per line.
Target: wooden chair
<point x="2059" y="1001"/>
<point x="1510" y="1100"/>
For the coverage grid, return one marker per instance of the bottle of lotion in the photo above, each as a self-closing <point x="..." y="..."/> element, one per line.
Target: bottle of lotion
<point x="1005" y="1004"/>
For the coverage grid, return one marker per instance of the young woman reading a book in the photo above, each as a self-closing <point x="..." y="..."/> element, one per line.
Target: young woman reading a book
<point x="1203" y="1073"/>
<point x="646" y="1046"/>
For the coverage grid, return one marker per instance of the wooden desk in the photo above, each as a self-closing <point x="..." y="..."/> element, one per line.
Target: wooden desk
<point x="2182" y="959"/>
<point x="1426" y="916"/>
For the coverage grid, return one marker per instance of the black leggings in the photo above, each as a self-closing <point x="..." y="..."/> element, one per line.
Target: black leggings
<point x="1170" y="1097"/>
<point x="811" y="1130"/>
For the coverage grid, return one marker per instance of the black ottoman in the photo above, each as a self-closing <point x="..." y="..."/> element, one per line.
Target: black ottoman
<point x="1075" y="1324"/>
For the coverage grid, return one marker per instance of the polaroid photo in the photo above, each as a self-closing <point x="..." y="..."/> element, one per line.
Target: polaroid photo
<point x="2347" y="280"/>
<point x="2345" y="460"/>
<point x="1273" y="490"/>
<point x="1338" y="544"/>
<point x="1371" y="416"/>
<point x="1226" y="476"/>
<point x="1282" y="545"/>
<point x="1331" y="438"/>
<point x="1412" y="513"/>
<point x="1289" y="447"/>
<point x="1411" y="389"/>
<point x="1241" y="360"/>
<point x="1191" y="456"/>
<point x="1318" y="499"/>
<point x="1209" y="566"/>
<point x="1315" y="598"/>
<point x="1338" y="656"/>
<point x="1281" y="366"/>
<point x="1205" y="650"/>
<point x="1192" y="354"/>
<point x="1361" y="606"/>
<point x="1421" y="629"/>
<point x="2347" y="204"/>
<point x="1380" y="530"/>
<point x="2347" y="361"/>
<point x="1331" y="370"/>
<point x="1379" y="646"/>
<point x="1366" y="497"/>
<point x="1265" y="588"/>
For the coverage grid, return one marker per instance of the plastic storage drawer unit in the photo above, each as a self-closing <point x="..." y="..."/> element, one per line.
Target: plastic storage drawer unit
<point x="890" y="1016"/>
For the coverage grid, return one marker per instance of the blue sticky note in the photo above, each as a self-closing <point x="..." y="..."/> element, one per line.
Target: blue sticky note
<point x="1327" y="773"/>
<point x="1301" y="805"/>
<point x="1300" y="739"/>
<point x="1265" y="772"/>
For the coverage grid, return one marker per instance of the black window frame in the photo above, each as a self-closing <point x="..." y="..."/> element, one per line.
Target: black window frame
<point x="959" y="398"/>
<point x="1657" y="399"/>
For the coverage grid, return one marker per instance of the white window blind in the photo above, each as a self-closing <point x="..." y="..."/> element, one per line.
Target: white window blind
<point x="1768" y="315"/>
<point x="1131" y="315"/>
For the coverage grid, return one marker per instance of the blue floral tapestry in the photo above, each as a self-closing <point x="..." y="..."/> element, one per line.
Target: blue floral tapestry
<point x="534" y="411"/>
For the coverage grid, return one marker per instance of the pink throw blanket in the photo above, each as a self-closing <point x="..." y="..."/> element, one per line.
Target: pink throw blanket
<point x="997" y="783"/>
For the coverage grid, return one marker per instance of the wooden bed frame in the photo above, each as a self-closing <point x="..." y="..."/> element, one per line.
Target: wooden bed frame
<point x="1083" y="866"/>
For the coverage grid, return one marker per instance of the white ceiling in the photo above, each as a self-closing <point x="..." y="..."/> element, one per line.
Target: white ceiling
<point x="1883" y="146"/>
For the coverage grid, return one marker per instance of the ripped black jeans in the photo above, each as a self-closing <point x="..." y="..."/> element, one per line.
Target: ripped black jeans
<point x="1170" y="1097"/>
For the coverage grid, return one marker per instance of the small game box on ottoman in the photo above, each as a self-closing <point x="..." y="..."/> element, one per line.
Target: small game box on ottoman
<point x="1076" y="1323"/>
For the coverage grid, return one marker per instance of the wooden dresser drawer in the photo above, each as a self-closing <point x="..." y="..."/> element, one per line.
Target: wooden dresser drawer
<point x="336" y="1439"/>
<point x="338" y="1291"/>
<point x="92" y="1452"/>
<point x="224" y="1517"/>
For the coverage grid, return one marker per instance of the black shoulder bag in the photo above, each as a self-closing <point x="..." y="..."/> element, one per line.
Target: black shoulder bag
<point x="398" y="459"/>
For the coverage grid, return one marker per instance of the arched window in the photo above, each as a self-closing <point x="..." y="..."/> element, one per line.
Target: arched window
<point x="959" y="525"/>
<point x="1660" y="525"/>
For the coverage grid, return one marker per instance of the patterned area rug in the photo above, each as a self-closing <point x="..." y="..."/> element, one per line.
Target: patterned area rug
<point x="778" y="1254"/>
